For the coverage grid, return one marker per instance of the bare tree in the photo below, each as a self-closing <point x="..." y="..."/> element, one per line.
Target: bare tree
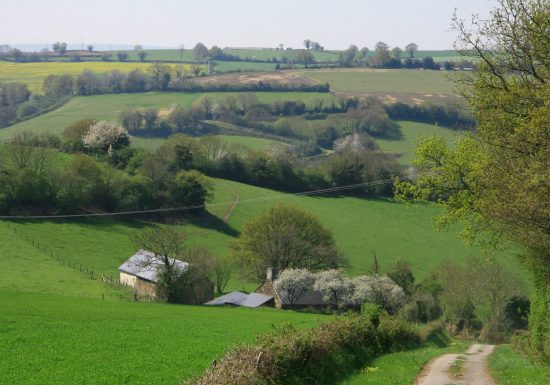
<point x="165" y="246"/>
<point x="411" y="48"/>
<point x="90" y="48"/>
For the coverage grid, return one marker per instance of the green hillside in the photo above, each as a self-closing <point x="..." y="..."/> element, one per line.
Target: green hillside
<point x="412" y="132"/>
<point x="108" y="107"/>
<point x="361" y="228"/>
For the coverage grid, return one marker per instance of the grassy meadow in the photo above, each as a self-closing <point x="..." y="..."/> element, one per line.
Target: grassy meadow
<point x="410" y="86"/>
<point x="34" y="73"/>
<point x="508" y="367"/>
<point x="108" y="107"/>
<point x="361" y="228"/>
<point x="56" y="340"/>
<point x="412" y="132"/>
<point x="402" y="368"/>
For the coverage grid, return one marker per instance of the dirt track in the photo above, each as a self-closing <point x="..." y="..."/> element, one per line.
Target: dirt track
<point x="473" y="372"/>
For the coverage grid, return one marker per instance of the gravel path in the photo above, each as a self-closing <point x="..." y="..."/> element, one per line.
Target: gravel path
<point x="473" y="372"/>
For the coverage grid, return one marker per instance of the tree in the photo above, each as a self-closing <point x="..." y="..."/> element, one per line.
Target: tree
<point x="142" y="55"/>
<point x="293" y="283"/>
<point x="411" y="48"/>
<point x="334" y="286"/>
<point x="166" y="248"/>
<point x="158" y="73"/>
<point x="90" y="48"/>
<point x="304" y="57"/>
<point x="200" y="52"/>
<point x="381" y="55"/>
<point x="76" y="131"/>
<point x="379" y="290"/>
<point x="192" y="188"/>
<point x="138" y="47"/>
<point x="307" y="44"/>
<point x="196" y="70"/>
<point x="403" y="276"/>
<point x="497" y="179"/>
<point x="285" y="237"/>
<point x="122" y="56"/>
<point x="106" y="136"/>
<point x="396" y="53"/>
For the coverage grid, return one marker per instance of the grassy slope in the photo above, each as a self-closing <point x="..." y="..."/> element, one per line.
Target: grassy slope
<point x="402" y="368"/>
<point x="372" y="80"/>
<point x="412" y="133"/>
<point x="57" y="340"/>
<point x="509" y="367"/>
<point x="361" y="227"/>
<point x="109" y="106"/>
<point x="34" y="73"/>
<point x="25" y="268"/>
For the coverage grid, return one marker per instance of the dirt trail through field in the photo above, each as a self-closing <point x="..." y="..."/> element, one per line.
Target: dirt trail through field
<point x="469" y="368"/>
<point x="233" y="206"/>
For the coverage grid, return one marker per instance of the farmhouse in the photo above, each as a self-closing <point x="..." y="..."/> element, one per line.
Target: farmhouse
<point x="140" y="272"/>
<point x="312" y="299"/>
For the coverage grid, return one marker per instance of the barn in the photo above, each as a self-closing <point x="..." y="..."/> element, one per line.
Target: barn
<point x="140" y="272"/>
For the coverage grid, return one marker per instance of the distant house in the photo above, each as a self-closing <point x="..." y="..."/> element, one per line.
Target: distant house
<point x="313" y="299"/>
<point x="140" y="272"/>
<point x="236" y="298"/>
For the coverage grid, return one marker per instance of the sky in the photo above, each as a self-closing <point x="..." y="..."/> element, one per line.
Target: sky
<point x="335" y="24"/>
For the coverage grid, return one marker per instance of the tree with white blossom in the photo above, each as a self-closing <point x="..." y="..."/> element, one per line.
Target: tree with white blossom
<point x="106" y="136"/>
<point x="293" y="283"/>
<point x="379" y="290"/>
<point x="334" y="286"/>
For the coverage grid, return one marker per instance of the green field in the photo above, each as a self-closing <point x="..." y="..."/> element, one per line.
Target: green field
<point x="48" y="339"/>
<point x="243" y="53"/>
<point x="384" y="81"/>
<point x="509" y="367"/>
<point x="412" y="132"/>
<point x="34" y="73"/>
<point x="108" y="107"/>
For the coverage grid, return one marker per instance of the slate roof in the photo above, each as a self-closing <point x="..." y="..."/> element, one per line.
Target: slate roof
<point x="241" y="299"/>
<point x="143" y="266"/>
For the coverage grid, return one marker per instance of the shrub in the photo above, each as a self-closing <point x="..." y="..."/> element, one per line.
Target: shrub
<point x="27" y="109"/>
<point x="317" y="355"/>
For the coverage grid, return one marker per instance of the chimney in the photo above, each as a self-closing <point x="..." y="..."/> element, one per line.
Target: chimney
<point x="271" y="274"/>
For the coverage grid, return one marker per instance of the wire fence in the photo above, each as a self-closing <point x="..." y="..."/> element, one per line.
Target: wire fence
<point x="88" y="271"/>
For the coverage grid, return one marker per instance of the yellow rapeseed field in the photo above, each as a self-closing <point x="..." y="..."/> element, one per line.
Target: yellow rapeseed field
<point x="34" y="73"/>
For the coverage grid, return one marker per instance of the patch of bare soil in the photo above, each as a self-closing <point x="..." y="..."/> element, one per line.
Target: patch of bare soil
<point x="277" y="77"/>
<point x="459" y="369"/>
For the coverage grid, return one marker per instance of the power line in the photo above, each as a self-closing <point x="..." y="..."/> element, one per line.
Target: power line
<point x="227" y="203"/>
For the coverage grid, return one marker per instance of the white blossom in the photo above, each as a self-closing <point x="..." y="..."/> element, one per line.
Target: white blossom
<point x="380" y="290"/>
<point x="105" y="135"/>
<point x="335" y="287"/>
<point x="293" y="283"/>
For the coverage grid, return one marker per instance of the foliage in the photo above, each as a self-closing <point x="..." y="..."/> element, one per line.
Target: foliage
<point x="285" y="237"/>
<point x="323" y="355"/>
